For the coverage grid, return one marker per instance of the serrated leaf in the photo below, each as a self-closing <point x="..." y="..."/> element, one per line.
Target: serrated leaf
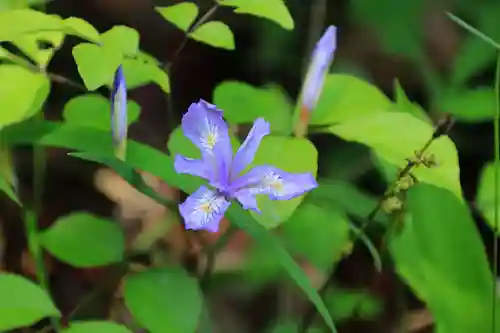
<point x="81" y="28"/>
<point x="23" y="303"/>
<point x="94" y="110"/>
<point x="345" y="97"/>
<point x="243" y="103"/>
<point x="396" y="136"/>
<point x="182" y="15"/>
<point x="84" y="240"/>
<point x="95" y="327"/>
<point x="22" y="93"/>
<point x="164" y="300"/>
<point x="214" y="33"/>
<point x="96" y="65"/>
<point x="122" y="39"/>
<point x="274" y="10"/>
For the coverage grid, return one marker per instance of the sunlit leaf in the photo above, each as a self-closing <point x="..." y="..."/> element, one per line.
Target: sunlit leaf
<point x="182" y="15"/>
<point x="81" y="28"/>
<point x="214" y="33"/>
<point x="16" y="23"/>
<point x="22" y="93"/>
<point x="122" y="39"/>
<point x="274" y="10"/>
<point x="95" y="111"/>
<point x="96" y="64"/>
<point x="23" y="303"/>
<point x="139" y="72"/>
<point x="243" y="103"/>
<point x="29" y="44"/>
<point x="346" y="97"/>
<point x="396" y="136"/>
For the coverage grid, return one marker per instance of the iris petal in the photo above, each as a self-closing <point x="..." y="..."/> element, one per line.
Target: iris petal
<point x="204" y="126"/>
<point x="190" y="166"/>
<point x="246" y="153"/>
<point x="278" y="184"/>
<point x="203" y="210"/>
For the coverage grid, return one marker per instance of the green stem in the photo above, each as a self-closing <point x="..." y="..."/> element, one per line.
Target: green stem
<point x="496" y="130"/>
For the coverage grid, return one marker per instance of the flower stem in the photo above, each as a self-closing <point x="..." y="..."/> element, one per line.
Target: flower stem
<point x="496" y="130"/>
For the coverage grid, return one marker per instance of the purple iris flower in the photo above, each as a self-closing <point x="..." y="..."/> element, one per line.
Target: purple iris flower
<point x="119" y="108"/>
<point x="319" y="66"/>
<point x="204" y="125"/>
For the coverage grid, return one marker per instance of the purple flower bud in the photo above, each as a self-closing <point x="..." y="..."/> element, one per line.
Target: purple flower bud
<point x="119" y="108"/>
<point x="319" y="66"/>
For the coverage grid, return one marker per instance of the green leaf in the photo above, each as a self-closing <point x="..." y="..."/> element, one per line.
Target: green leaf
<point x="346" y="197"/>
<point x="16" y="23"/>
<point x="243" y="103"/>
<point x="164" y="300"/>
<point x="95" y="327"/>
<point x="96" y="65"/>
<point x="274" y="247"/>
<point x="157" y="163"/>
<point x="344" y="304"/>
<point x="214" y="33"/>
<point x="84" y="240"/>
<point x="23" y="303"/>
<point x="474" y="105"/>
<point x="327" y="230"/>
<point x="22" y="93"/>
<point x="475" y="55"/>
<point x="440" y="254"/>
<point x="403" y="104"/>
<point x="395" y="136"/>
<point x="274" y="10"/>
<point x="289" y="154"/>
<point x="95" y="111"/>
<point x="122" y="39"/>
<point x="81" y="28"/>
<point x="139" y="72"/>
<point x="182" y="15"/>
<point x="346" y="97"/>
<point x="396" y="35"/>
<point x="485" y="198"/>
<point x="29" y="45"/>
<point x="7" y="174"/>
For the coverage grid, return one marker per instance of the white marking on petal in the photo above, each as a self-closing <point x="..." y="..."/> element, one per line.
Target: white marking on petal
<point x="210" y="136"/>
<point x="207" y="207"/>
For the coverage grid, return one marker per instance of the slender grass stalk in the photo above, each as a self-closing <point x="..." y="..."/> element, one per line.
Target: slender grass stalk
<point x="496" y="130"/>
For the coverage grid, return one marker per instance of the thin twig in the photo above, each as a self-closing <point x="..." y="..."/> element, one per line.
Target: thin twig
<point x="54" y="77"/>
<point x="442" y="128"/>
<point x="170" y="104"/>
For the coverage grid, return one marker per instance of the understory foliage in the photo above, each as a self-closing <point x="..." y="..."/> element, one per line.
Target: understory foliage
<point x="432" y="239"/>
